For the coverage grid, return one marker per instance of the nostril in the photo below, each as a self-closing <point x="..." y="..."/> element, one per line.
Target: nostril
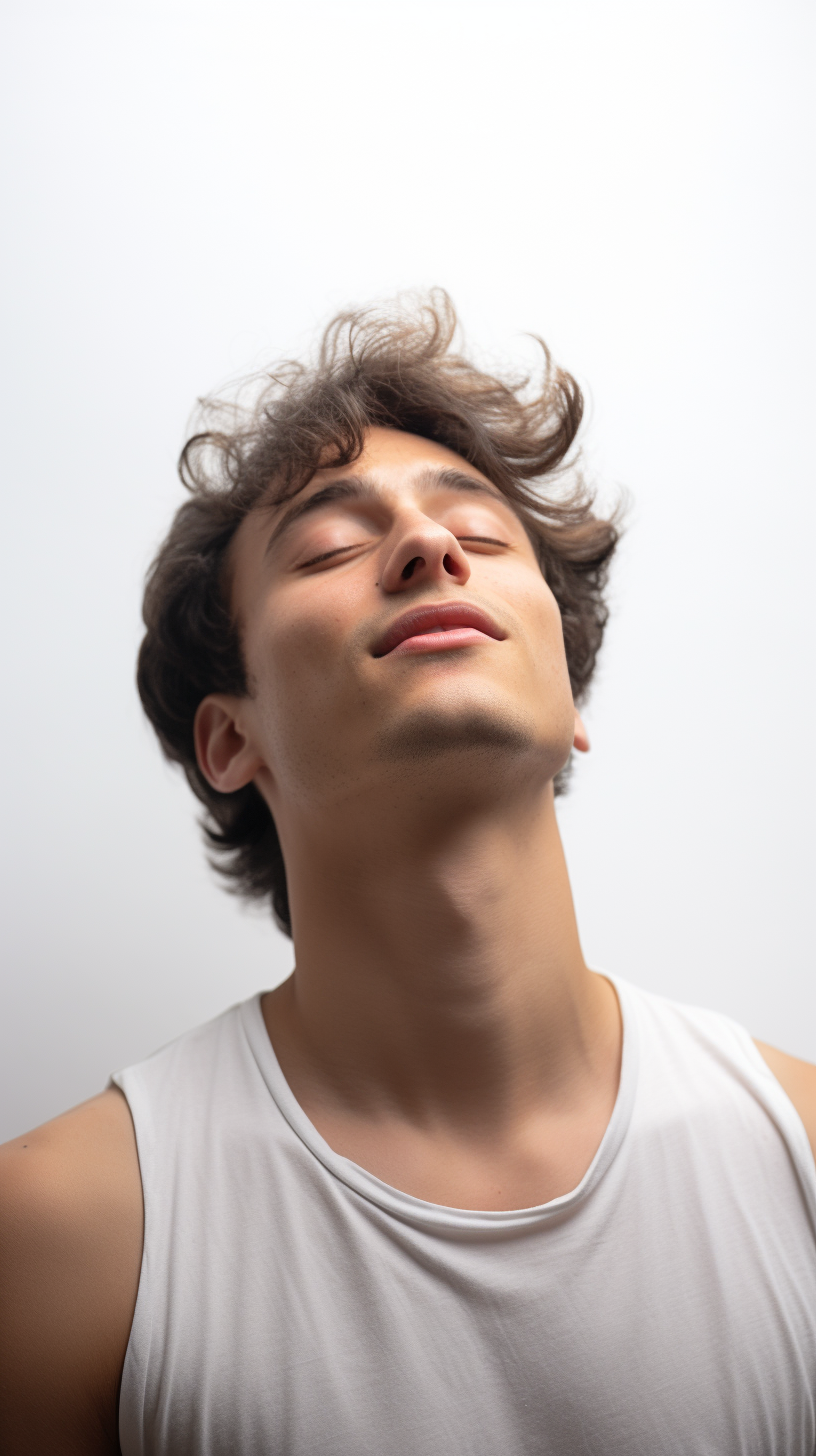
<point x="449" y="565"/>
<point x="408" y="571"/>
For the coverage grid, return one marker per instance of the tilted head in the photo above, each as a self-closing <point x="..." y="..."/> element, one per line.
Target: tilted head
<point x="394" y="492"/>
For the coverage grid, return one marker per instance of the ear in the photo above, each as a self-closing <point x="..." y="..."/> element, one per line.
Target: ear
<point x="226" y="755"/>
<point x="581" y="739"/>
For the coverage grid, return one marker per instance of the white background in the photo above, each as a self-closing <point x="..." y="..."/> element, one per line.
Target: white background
<point x="190" y="191"/>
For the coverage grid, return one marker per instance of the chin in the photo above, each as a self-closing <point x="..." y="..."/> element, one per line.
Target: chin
<point x="484" y="738"/>
<point x="427" y="733"/>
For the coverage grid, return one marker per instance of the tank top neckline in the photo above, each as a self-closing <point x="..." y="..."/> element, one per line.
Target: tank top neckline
<point x="417" y="1211"/>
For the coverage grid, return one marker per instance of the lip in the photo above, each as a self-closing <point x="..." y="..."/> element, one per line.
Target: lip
<point x="437" y="629"/>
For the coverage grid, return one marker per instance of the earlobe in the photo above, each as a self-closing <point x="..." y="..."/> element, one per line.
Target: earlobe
<point x="225" y="755"/>
<point x="581" y="738"/>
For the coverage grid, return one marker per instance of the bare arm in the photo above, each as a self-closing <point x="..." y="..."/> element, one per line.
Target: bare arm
<point x="70" y="1251"/>
<point x="799" y="1081"/>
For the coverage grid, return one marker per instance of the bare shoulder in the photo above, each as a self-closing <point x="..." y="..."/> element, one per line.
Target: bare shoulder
<point x="70" y="1251"/>
<point x="799" y="1081"/>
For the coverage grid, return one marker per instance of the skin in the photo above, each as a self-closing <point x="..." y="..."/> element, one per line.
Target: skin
<point x="441" y="1028"/>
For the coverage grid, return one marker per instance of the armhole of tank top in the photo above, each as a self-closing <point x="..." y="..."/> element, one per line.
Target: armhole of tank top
<point x="133" y="1384"/>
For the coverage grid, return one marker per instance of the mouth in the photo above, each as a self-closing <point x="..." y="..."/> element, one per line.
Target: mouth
<point x="437" y="629"/>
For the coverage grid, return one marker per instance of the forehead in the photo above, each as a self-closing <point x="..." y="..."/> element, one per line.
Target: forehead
<point x="397" y="457"/>
<point x="394" y="459"/>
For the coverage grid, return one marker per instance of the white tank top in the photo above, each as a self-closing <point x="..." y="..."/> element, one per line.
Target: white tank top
<point x="291" y="1304"/>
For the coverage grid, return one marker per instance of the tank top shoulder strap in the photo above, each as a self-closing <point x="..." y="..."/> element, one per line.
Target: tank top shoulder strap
<point x="698" y="1035"/>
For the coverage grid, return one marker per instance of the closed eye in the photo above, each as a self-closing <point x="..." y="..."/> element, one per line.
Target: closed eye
<point x="327" y="555"/>
<point x="485" y="540"/>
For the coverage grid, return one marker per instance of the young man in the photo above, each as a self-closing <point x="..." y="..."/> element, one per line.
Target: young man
<point x="446" y="1190"/>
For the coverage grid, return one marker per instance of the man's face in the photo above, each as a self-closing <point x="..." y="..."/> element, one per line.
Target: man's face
<point x="396" y="628"/>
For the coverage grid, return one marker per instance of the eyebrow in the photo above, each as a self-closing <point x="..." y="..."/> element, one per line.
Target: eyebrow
<point x="361" y="487"/>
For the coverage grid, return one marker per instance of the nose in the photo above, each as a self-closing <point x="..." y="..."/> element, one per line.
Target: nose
<point x="424" y="552"/>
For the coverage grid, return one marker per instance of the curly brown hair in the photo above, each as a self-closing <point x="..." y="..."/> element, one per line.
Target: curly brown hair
<point x="395" y="367"/>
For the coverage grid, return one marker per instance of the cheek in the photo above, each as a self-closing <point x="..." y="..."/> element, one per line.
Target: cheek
<point x="297" y="660"/>
<point x="288" y="659"/>
<point x="550" y="673"/>
<point x="540" y="616"/>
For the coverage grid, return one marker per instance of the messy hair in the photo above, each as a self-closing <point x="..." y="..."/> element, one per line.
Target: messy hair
<point x="396" y="367"/>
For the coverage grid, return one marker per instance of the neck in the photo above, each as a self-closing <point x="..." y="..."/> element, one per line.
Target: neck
<point x="439" y="971"/>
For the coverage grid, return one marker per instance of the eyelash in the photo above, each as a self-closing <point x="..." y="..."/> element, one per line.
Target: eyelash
<point x="339" y="550"/>
<point x="325" y="556"/>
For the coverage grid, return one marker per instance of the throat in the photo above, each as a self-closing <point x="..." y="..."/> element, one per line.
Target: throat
<point x="441" y="1028"/>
